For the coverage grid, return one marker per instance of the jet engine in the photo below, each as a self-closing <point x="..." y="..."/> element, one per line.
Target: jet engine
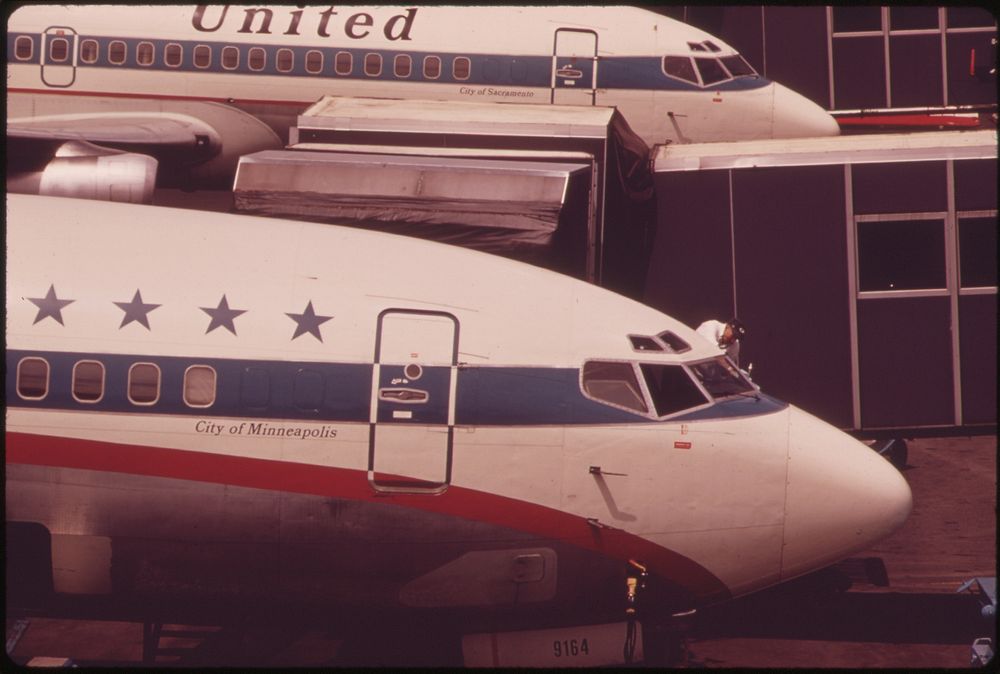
<point x="85" y="171"/>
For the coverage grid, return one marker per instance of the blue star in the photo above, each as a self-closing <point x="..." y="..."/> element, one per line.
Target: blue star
<point x="49" y="306"/>
<point x="135" y="310"/>
<point x="222" y="316"/>
<point x="308" y="321"/>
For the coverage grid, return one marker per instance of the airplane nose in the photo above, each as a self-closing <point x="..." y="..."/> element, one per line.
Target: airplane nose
<point x="841" y="496"/>
<point x="797" y="116"/>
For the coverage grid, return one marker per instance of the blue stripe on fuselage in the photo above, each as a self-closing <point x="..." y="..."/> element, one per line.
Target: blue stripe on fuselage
<point x="304" y="390"/>
<point x="614" y="72"/>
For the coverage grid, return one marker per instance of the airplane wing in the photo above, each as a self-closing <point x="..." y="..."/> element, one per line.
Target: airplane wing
<point x="166" y="136"/>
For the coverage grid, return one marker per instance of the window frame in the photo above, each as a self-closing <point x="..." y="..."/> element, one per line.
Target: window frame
<point x="291" y="60"/>
<point x="111" y="52"/>
<point x="370" y="58"/>
<point x="428" y="59"/>
<point x="454" y="68"/>
<point x="48" y="378"/>
<point x="129" y="384"/>
<point x="51" y="43"/>
<point x="84" y="44"/>
<point x="142" y="47"/>
<point x="313" y="53"/>
<point x="402" y="58"/>
<point x="230" y="49"/>
<point x="640" y="384"/>
<point x="343" y="57"/>
<point x="179" y="51"/>
<point x="24" y="39"/>
<point x="197" y="51"/>
<point x="253" y="54"/>
<point x="101" y="387"/>
<point x="215" y="385"/>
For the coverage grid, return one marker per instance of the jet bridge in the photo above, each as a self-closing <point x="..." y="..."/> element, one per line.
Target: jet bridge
<point x="564" y="187"/>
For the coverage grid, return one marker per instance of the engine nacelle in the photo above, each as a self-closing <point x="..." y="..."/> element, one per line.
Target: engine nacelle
<point x="87" y="171"/>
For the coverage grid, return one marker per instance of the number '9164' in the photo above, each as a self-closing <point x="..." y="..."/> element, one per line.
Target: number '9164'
<point x="568" y="647"/>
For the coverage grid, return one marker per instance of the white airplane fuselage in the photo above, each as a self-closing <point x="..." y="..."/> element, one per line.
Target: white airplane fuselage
<point x="671" y="81"/>
<point x="219" y="409"/>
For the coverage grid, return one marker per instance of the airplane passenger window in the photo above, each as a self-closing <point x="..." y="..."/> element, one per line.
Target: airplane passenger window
<point x="144" y="383"/>
<point x="721" y="378"/>
<point x="373" y="65"/>
<point x="711" y="71"/>
<point x="88" y="381"/>
<point x="461" y="67"/>
<point x="432" y="67"/>
<point x="89" y="51"/>
<point x="680" y="67"/>
<point x="254" y="388"/>
<point x="256" y="58"/>
<point x="672" y="388"/>
<point x="286" y="60"/>
<point x="58" y="50"/>
<point x="173" y="54"/>
<point x="202" y="56"/>
<point x="199" y="386"/>
<point x="117" y="52"/>
<point x="402" y="65"/>
<point x="32" y="378"/>
<point x="314" y="61"/>
<point x="343" y="63"/>
<point x="230" y="58"/>
<point x="144" y="53"/>
<point x="613" y="383"/>
<point x="737" y="65"/>
<point x="24" y="48"/>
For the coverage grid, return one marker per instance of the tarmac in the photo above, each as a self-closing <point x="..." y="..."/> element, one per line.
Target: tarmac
<point x="896" y="605"/>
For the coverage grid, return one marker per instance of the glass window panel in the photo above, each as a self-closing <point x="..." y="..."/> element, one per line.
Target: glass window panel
<point x="432" y="67"/>
<point x="672" y="388"/>
<point x="971" y="68"/>
<point x="286" y="60"/>
<point x="461" y="67"/>
<point x="859" y="72"/>
<point x="117" y="52"/>
<point x="32" y="378"/>
<point x="721" y="378"/>
<point x="912" y="17"/>
<point x="915" y="70"/>
<point x="24" y="48"/>
<point x="314" y="61"/>
<point x="680" y="67"/>
<point x="88" y="381"/>
<point x="199" y="386"/>
<point x="343" y="63"/>
<point x="144" y="54"/>
<point x="737" y="65"/>
<point x="256" y="58"/>
<point x="373" y="65"/>
<point x="855" y="19"/>
<point x="230" y="58"/>
<point x="144" y="383"/>
<point x="643" y="343"/>
<point x="202" y="56"/>
<point x="711" y="71"/>
<point x="172" y="55"/>
<point x="901" y="255"/>
<point x="58" y="50"/>
<point x="88" y="51"/>
<point x="977" y="242"/>
<point x="613" y="383"/>
<point x="402" y="65"/>
<point x="970" y="17"/>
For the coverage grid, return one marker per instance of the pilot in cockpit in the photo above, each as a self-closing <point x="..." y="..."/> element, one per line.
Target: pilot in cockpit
<point x="727" y="335"/>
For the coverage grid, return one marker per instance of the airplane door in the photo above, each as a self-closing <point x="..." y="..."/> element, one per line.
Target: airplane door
<point x="574" y="66"/>
<point x="58" y="56"/>
<point x="413" y="401"/>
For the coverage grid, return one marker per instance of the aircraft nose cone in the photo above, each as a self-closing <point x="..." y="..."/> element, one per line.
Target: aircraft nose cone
<point x="841" y="496"/>
<point x="797" y="116"/>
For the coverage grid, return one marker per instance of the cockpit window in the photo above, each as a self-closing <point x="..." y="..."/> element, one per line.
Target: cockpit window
<point x="643" y="343"/>
<point x="676" y="344"/>
<point x="737" y="65"/>
<point x="672" y="388"/>
<point x="711" y="70"/>
<point x="680" y="67"/>
<point x="614" y="383"/>
<point x="696" y="46"/>
<point x="721" y="378"/>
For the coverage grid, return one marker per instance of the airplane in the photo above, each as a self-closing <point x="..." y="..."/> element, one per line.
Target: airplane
<point x="208" y="412"/>
<point x="196" y="87"/>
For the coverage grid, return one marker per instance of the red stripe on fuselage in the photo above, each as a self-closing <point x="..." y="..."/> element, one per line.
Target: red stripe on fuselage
<point x="160" y="97"/>
<point x="44" y="450"/>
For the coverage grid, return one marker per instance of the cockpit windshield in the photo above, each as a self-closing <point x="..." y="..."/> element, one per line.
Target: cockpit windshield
<point x="721" y="378"/>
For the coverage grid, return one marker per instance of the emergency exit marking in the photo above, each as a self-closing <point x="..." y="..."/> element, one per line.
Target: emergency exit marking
<point x="682" y="445"/>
